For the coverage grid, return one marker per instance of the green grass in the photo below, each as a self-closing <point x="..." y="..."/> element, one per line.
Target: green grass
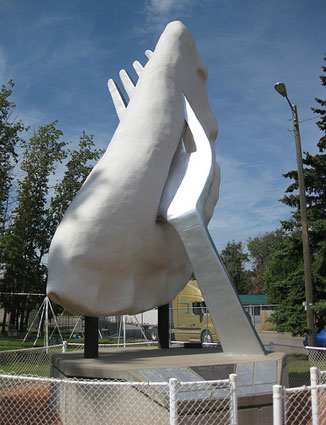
<point x="16" y="343"/>
<point x="32" y="362"/>
<point x="299" y="370"/>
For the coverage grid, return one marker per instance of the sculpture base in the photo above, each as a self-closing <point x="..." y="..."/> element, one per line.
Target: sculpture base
<point x="256" y="375"/>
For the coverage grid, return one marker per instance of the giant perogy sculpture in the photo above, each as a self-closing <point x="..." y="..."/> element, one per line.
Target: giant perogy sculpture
<point x="137" y="228"/>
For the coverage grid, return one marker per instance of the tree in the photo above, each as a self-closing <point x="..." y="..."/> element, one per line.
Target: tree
<point x="77" y="169"/>
<point x="26" y="240"/>
<point x="315" y="182"/>
<point x="9" y="137"/>
<point x="284" y="285"/>
<point x="235" y="260"/>
<point x="261" y="249"/>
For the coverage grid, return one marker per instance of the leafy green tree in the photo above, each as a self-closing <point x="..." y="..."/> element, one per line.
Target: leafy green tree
<point x="10" y="131"/>
<point x="78" y="167"/>
<point x="10" y="139"/>
<point x="26" y="240"/>
<point x="235" y="259"/>
<point x="290" y="315"/>
<point x="261" y="249"/>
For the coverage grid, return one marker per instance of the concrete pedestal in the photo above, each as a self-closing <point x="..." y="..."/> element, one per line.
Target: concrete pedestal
<point x="256" y="374"/>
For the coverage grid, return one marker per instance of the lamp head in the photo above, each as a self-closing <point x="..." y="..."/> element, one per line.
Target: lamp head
<point x="281" y="89"/>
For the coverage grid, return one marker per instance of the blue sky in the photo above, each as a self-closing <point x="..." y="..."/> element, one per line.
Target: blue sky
<point x="61" y="54"/>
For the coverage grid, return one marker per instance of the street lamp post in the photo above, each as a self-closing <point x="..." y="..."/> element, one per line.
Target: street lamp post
<point x="281" y="89"/>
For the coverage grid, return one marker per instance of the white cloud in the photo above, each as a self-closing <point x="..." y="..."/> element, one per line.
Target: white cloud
<point x="164" y="7"/>
<point x="159" y="13"/>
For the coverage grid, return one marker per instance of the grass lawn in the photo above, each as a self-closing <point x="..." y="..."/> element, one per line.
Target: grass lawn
<point x="299" y="370"/>
<point x="33" y="362"/>
<point x="16" y="343"/>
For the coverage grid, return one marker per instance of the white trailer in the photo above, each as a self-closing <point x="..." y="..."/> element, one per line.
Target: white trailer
<point x="147" y="320"/>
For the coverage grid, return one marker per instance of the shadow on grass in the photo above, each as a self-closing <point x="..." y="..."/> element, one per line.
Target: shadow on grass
<point x="299" y="370"/>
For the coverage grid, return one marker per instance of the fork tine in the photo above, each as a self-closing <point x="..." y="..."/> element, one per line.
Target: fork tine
<point x="148" y="54"/>
<point x="119" y="102"/>
<point x="138" y="67"/>
<point x="127" y="82"/>
<point x="117" y="98"/>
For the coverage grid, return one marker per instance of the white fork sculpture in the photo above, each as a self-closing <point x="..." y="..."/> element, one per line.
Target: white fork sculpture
<point x="182" y="206"/>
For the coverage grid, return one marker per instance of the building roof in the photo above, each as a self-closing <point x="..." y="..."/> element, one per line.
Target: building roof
<point x="253" y="299"/>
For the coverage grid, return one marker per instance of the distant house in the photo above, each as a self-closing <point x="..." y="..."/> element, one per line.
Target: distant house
<point x="258" y="309"/>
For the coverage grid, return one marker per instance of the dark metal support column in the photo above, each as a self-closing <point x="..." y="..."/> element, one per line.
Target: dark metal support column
<point x="91" y="338"/>
<point x="163" y="326"/>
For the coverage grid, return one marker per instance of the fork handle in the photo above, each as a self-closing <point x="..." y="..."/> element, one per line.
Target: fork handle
<point x="234" y="329"/>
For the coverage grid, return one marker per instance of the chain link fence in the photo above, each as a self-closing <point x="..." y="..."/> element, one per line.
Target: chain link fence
<point x="304" y="405"/>
<point x="297" y="406"/>
<point x="41" y="400"/>
<point x="29" y="361"/>
<point x="322" y="377"/>
<point x="37" y="361"/>
<point x="317" y="357"/>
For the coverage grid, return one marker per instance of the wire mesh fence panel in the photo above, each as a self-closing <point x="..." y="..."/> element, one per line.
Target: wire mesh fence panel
<point x="39" y="401"/>
<point x="80" y="346"/>
<point x="322" y="405"/>
<point x="322" y="377"/>
<point x="32" y="361"/>
<point x="204" y="403"/>
<point x="297" y="407"/>
<point x="26" y="402"/>
<point x="317" y="357"/>
<point x="86" y="403"/>
<point x="75" y="347"/>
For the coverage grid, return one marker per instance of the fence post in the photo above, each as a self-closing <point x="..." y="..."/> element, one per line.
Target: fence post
<point x="64" y="346"/>
<point x="277" y="405"/>
<point x="46" y="325"/>
<point x="314" y="395"/>
<point x="173" y="384"/>
<point x="234" y="399"/>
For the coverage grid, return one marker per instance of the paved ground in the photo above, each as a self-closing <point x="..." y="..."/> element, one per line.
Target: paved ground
<point x="280" y="341"/>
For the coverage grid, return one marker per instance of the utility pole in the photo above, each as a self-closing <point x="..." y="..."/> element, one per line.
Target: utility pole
<point x="281" y="89"/>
